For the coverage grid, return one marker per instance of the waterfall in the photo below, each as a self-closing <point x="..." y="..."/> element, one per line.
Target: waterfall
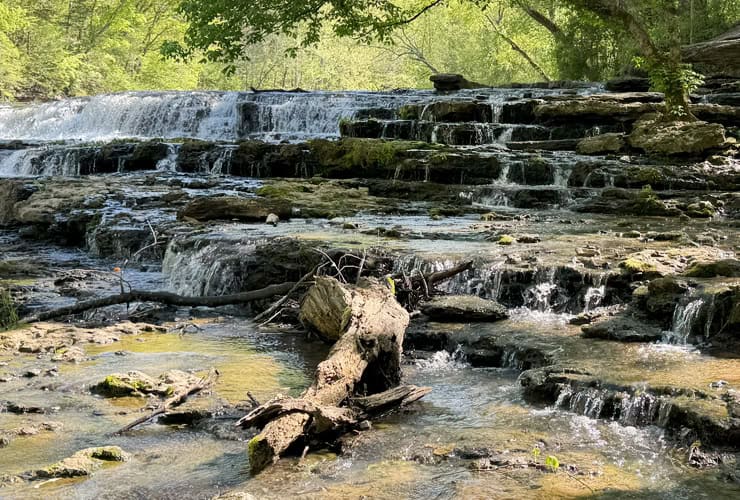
<point x="227" y="116"/>
<point x="638" y="409"/>
<point x="169" y="163"/>
<point x="684" y="318"/>
<point x="540" y="296"/>
<point x="595" y="294"/>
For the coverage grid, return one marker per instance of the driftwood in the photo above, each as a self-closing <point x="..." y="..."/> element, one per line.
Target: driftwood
<point x="175" y="400"/>
<point x="332" y="418"/>
<point x="163" y="298"/>
<point x="368" y="325"/>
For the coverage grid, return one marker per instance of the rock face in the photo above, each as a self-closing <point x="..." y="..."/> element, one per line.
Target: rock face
<point x="628" y="84"/>
<point x="463" y="308"/>
<point x="676" y="138"/>
<point x="604" y="143"/>
<point x="234" y="207"/>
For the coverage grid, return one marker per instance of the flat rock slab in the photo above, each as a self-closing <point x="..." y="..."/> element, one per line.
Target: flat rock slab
<point x="464" y="308"/>
<point x="623" y="329"/>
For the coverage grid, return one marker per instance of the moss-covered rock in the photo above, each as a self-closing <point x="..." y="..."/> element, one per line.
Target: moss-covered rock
<point x="676" y="138"/>
<point x="636" y="266"/>
<point x="729" y="268"/>
<point x="603" y="143"/>
<point x="234" y="207"/>
<point x="82" y="463"/>
<point x="134" y="383"/>
<point x="506" y="240"/>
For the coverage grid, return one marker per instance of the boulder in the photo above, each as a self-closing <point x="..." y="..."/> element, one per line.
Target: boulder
<point x="233" y="207"/>
<point x="663" y="294"/>
<point x="82" y="463"/>
<point x="445" y="82"/>
<point x="623" y="329"/>
<point x="729" y="268"/>
<point x="463" y="308"/>
<point x="600" y="144"/>
<point x="676" y="138"/>
<point x="135" y="383"/>
<point x="12" y="191"/>
<point x="594" y="108"/>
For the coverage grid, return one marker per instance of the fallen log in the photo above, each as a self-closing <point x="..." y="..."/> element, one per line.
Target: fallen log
<point x="175" y="400"/>
<point x="168" y="298"/>
<point x="368" y="325"/>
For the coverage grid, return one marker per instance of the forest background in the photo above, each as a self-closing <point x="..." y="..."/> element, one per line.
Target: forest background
<point x="57" y="48"/>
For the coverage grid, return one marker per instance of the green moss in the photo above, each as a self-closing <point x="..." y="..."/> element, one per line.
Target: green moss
<point x="506" y="240"/>
<point x="353" y="153"/>
<point x="109" y="454"/>
<point x="649" y="175"/>
<point x="409" y="112"/>
<point x="729" y="268"/>
<point x="648" y="203"/>
<point x="634" y="266"/>
<point x="286" y="191"/>
<point x="8" y="312"/>
<point x="114" y="387"/>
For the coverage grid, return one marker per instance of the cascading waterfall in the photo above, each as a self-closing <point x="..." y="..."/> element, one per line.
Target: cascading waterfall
<point x="595" y="294"/>
<point x="169" y="163"/>
<point x="540" y="296"/>
<point x="685" y="317"/>
<point x="227" y="116"/>
<point x="638" y="409"/>
<point x="205" y="267"/>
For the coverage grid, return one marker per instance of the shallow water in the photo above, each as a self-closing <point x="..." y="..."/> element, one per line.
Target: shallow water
<point x="468" y="408"/>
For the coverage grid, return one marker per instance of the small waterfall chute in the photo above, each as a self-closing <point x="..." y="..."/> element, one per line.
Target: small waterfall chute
<point x="685" y="317"/>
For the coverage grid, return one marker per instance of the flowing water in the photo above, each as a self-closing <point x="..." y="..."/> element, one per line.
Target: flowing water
<point x="614" y="445"/>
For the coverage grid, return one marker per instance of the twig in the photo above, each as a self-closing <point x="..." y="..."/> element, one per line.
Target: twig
<point x="362" y="264"/>
<point x="253" y="400"/>
<point x="280" y="302"/>
<point x="331" y="261"/>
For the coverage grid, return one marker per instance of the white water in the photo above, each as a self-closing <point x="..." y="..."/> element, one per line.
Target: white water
<point x="228" y="116"/>
<point x="684" y="319"/>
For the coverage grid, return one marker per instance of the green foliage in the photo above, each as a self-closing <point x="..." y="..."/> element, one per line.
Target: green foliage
<point x="55" y="48"/>
<point x="602" y="50"/>
<point x="8" y="313"/>
<point x="676" y="81"/>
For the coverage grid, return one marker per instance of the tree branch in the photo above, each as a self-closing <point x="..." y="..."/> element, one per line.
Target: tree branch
<point x="163" y="298"/>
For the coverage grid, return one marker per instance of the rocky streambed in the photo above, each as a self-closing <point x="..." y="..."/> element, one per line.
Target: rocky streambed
<point x="598" y="323"/>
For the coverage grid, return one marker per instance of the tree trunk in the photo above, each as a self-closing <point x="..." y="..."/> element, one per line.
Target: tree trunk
<point x="368" y="325"/>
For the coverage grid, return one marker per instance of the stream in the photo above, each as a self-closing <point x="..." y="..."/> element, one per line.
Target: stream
<point x="611" y="419"/>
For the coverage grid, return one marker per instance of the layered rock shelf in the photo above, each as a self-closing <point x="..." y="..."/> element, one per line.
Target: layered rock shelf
<point x="593" y="311"/>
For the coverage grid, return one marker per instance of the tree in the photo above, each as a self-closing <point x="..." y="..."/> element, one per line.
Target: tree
<point x="660" y="49"/>
<point x="223" y="29"/>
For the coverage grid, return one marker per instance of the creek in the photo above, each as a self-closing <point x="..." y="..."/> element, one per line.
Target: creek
<point x="612" y="412"/>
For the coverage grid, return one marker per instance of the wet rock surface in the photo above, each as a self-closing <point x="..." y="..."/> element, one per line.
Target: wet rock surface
<point x="463" y="308"/>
